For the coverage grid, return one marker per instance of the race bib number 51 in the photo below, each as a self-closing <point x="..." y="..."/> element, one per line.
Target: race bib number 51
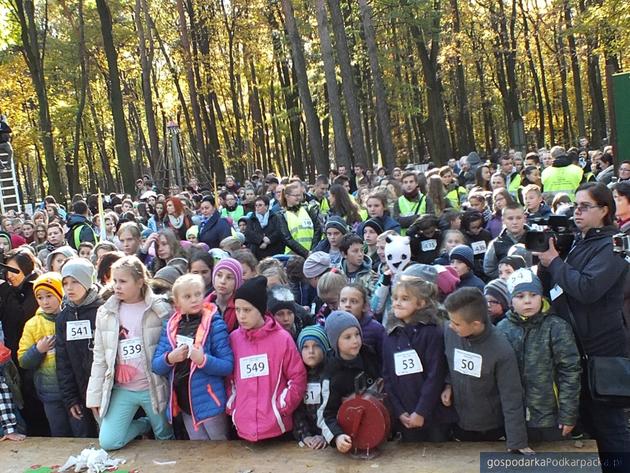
<point x="467" y="363"/>
<point x="254" y="366"/>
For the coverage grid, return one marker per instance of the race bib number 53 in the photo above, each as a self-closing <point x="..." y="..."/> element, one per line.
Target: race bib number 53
<point x="254" y="366"/>
<point x="467" y="363"/>
<point x="407" y="362"/>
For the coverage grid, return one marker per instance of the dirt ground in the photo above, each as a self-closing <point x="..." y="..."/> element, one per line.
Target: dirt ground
<point x="238" y="457"/>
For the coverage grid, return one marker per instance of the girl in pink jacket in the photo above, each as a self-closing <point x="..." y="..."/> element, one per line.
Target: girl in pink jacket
<point x="269" y="378"/>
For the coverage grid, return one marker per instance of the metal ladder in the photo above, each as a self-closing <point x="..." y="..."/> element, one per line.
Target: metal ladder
<point x="9" y="196"/>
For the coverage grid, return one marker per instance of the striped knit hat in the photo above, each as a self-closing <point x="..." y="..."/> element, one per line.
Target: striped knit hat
<point x="315" y="333"/>
<point x="233" y="266"/>
<point x="50" y="282"/>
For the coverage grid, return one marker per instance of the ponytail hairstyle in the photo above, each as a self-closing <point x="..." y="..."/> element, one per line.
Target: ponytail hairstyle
<point x="138" y="271"/>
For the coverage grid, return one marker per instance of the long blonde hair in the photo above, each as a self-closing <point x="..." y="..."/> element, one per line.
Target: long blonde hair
<point x="135" y="269"/>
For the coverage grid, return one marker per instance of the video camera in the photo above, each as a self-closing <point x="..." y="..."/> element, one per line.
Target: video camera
<point x="559" y="227"/>
<point x="621" y="244"/>
<point x="3" y="267"/>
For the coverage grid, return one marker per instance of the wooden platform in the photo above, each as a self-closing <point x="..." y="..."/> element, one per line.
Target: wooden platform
<point x="239" y="457"/>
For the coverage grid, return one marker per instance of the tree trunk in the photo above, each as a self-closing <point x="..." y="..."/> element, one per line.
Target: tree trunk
<point x="386" y="143"/>
<point x="342" y="148"/>
<point x="34" y="58"/>
<point x="100" y="143"/>
<point x="545" y="88"/>
<point x="121" y="137"/>
<point x="82" y="93"/>
<point x="145" y="64"/>
<point x="299" y="65"/>
<point x="575" y="69"/>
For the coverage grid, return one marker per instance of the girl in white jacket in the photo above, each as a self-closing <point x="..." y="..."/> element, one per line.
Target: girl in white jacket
<point x="128" y="329"/>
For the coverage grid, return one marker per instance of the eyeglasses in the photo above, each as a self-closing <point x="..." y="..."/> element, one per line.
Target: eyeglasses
<point x="491" y="302"/>
<point x="624" y="170"/>
<point x="294" y="195"/>
<point x="586" y="207"/>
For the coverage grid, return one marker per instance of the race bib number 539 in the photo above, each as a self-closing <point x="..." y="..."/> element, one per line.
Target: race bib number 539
<point x="467" y="363"/>
<point x="130" y="348"/>
<point x="254" y="366"/>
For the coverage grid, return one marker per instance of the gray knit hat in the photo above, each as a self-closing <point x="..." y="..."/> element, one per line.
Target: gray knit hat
<point x="463" y="253"/>
<point x="497" y="288"/>
<point x="423" y="271"/>
<point x="168" y="274"/>
<point x="66" y="250"/>
<point x="316" y="264"/>
<point x="336" y="323"/>
<point x="523" y="280"/>
<point x="81" y="270"/>
<point x="337" y="223"/>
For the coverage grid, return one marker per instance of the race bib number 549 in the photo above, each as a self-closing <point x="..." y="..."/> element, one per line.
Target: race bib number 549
<point x="254" y="366"/>
<point x="467" y="363"/>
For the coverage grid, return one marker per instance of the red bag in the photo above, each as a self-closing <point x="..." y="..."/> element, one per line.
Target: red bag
<point x="5" y="354"/>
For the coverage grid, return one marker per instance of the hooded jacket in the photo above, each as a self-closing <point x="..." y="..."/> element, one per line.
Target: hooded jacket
<point x="262" y="406"/>
<point x="417" y="392"/>
<point x="592" y="279"/>
<point x="373" y="333"/>
<point x="206" y="382"/>
<point x="495" y="398"/>
<point x="549" y="364"/>
<point x="364" y="275"/>
<point x="106" y="339"/>
<point x="80" y="227"/>
<point x="74" y="357"/>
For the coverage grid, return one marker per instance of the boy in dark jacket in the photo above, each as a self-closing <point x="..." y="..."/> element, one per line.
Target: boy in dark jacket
<point x="74" y="342"/>
<point x="351" y="359"/>
<point x="484" y="383"/>
<point x="548" y="359"/>
<point x="314" y="348"/>
<point x="463" y="260"/>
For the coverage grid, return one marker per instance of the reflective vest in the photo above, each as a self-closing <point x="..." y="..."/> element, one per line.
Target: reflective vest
<point x="455" y="195"/>
<point x="324" y="206"/>
<point x="235" y="214"/>
<point x="300" y="227"/>
<point x="564" y="179"/>
<point x="76" y="235"/>
<point x="408" y="208"/>
<point x="515" y="183"/>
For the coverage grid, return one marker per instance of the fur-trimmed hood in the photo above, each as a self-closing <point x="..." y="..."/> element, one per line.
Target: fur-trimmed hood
<point x="434" y="315"/>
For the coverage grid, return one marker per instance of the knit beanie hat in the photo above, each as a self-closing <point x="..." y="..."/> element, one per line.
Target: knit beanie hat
<point x="523" y="280"/>
<point x="254" y="291"/>
<point x="50" y="282"/>
<point x="7" y="241"/>
<point x="65" y="250"/>
<point x="447" y="279"/>
<point x="233" y="266"/>
<point x="423" y="271"/>
<point x="168" y="274"/>
<point x="79" y="269"/>
<point x="280" y="297"/>
<point x="316" y="264"/>
<point x="375" y="224"/>
<point x="497" y="288"/>
<point x="463" y="253"/>
<point x="336" y="323"/>
<point x="516" y="261"/>
<point x="192" y="231"/>
<point x="337" y="223"/>
<point x="315" y="333"/>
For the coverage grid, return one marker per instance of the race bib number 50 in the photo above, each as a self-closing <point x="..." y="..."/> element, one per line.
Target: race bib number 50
<point x="467" y="363"/>
<point x="254" y="366"/>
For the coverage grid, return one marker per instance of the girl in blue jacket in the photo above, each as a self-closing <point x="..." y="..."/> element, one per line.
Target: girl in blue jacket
<point x="194" y="351"/>
<point x="414" y="365"/>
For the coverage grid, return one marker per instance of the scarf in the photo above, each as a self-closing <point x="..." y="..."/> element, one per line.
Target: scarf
<point x="413" y="195"/>
<point x="91" y="297"/>
<point x="263" y="219"/>
<point x="176" y="222"/>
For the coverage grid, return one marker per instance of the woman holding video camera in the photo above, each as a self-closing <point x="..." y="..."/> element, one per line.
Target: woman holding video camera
<point x="589" y="285"/>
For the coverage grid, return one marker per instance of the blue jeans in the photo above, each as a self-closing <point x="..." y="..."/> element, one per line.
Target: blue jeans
<point x="118" y="427"/>
<point x="607" y="425"/>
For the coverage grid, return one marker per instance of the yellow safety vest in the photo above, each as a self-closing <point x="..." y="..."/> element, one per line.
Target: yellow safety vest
<point x="408" y="208"/>
<point x="324" y="206"/>
<point x="514" y="184"/>
<point x="301" y="228"/>
<point x="453" y="197"/>
<point x="565" y="179"/>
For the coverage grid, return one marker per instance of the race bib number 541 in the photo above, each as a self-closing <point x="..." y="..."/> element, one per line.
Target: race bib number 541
<point x="78" y="330"/>
<point x="467" y="363"/>
<point x="254" y="366"/>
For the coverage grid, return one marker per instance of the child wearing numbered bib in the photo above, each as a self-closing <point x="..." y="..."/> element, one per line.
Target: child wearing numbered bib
<point x="74" y="342"/>
<point x="314" y="347"/>
<point x="351" y="359"/>
<point x="128" y="328"/>
<point x="414" y="365"/>
<point x="269" y="379"/>
<point x="37" y="352"/>
<point x="549" y="361"/>
<point x="195" y="354"/>
<point x="483" y="384"/>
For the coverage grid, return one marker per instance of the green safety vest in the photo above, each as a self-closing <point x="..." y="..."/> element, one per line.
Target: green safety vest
<point x="76" y="235"/>
<point x="324" y="206"/>
<point x="454" y="198"/>
<point x="514" y="184"/>
<point x="301" y="228"/>
<point x="235" y="215"/>
<point x="408" y="208"/>
<point x="566" y="179"/>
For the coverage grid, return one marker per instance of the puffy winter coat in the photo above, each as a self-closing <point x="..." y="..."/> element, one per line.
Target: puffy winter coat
<point x="254" y="235"/>
<point x="106" y="348"/>
<point x="206" y="385"/>
<point x="214" y="230"/>
<point x="43" y="364"/>
<point x="264" y="392"/>
<point x="549" y="364"/>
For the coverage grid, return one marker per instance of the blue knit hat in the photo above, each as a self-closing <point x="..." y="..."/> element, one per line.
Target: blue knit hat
<point x="336" y="323"/>
<point x="463" y="253"/>
<point x="315" y="333"/>
<point x="523" y="280"/>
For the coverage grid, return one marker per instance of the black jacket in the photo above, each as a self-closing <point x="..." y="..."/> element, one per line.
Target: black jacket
<point x="338" y="383"/>
<point x="287" y="238"/>
<point x="592" y="279"/>
<point x="86" y="233"/>
<point x="254" y="235"/>
<point x="74" y="358"/>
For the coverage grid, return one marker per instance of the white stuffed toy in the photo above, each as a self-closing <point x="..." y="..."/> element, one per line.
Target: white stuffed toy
<point x="397" y="253"/>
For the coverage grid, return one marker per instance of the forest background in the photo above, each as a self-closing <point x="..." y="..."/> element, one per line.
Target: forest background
<point x="95" y="89"/>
